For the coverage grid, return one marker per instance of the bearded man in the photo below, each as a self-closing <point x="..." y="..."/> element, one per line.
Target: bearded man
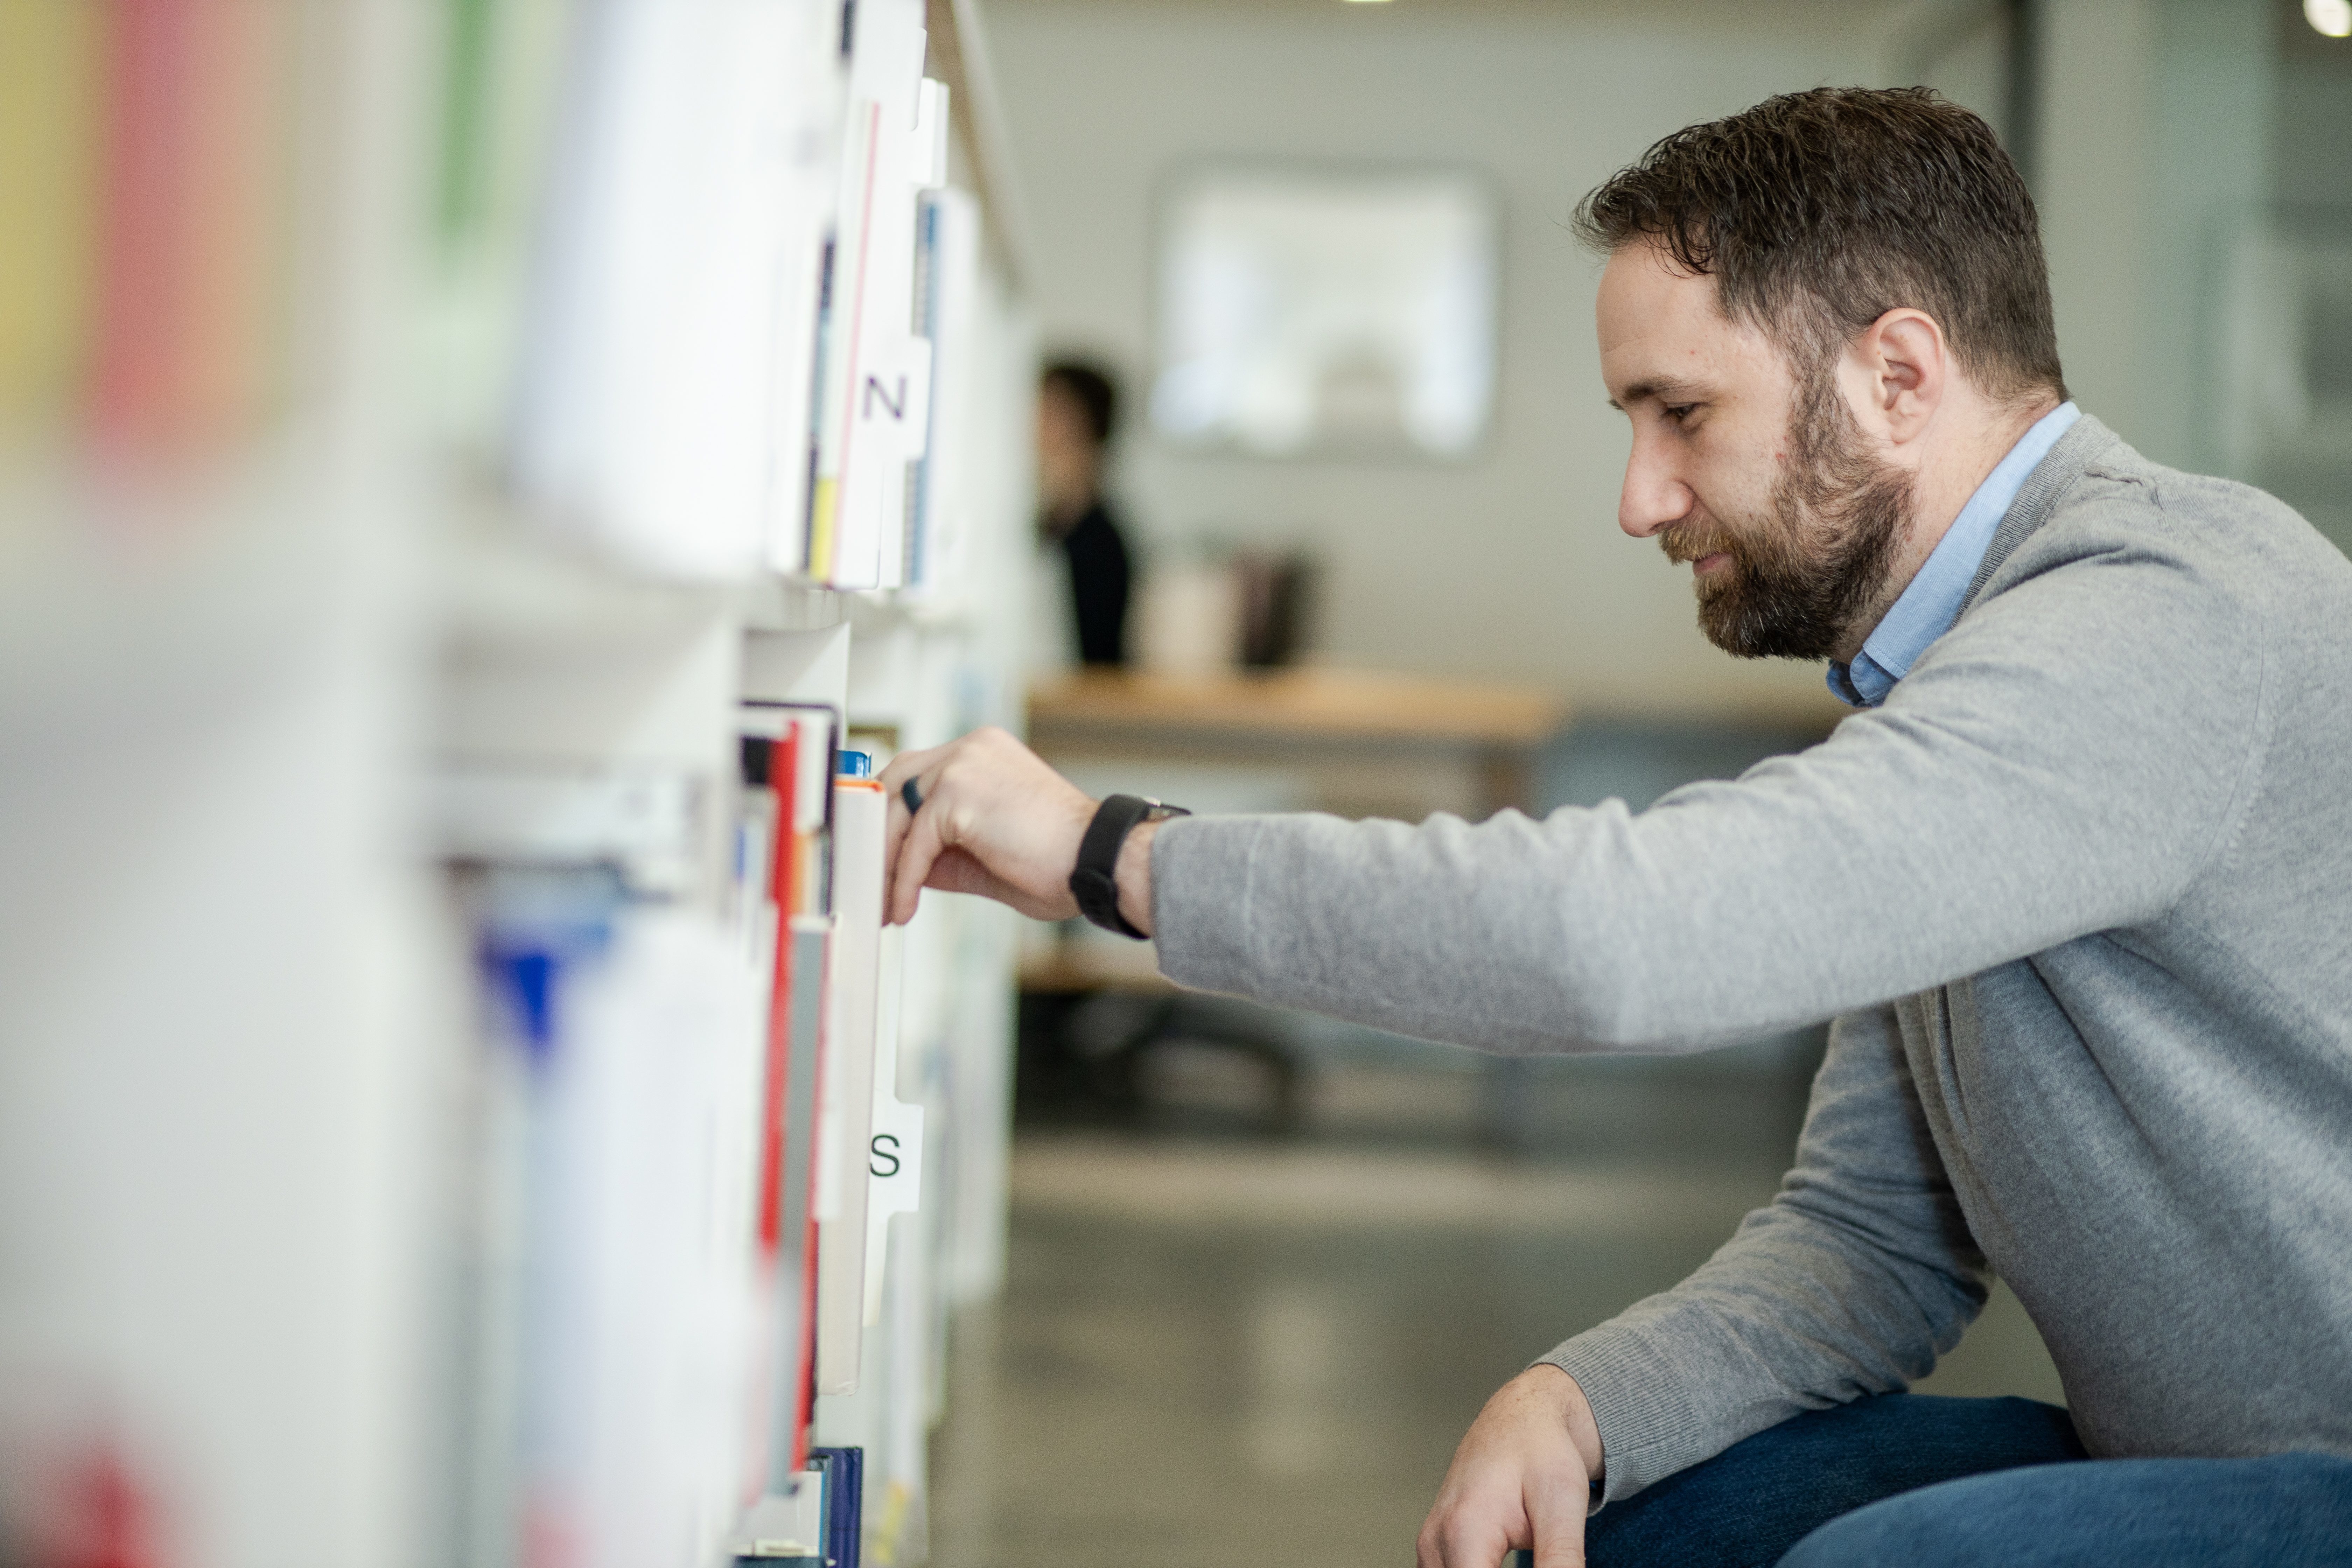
<point x="2075" y="882"/>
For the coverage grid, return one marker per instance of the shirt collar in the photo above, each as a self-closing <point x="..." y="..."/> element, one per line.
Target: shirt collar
<point x="1932" y="601"/>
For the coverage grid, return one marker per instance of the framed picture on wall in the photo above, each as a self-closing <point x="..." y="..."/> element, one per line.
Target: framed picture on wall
<point x="1318" y="312"/>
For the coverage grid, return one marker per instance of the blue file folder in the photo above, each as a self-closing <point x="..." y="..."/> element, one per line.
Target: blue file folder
<point x="844" y="1503"/>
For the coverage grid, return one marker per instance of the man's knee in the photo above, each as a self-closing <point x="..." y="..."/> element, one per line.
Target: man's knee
<point x="1757" y="1497"/>
<point x="2287" y="1509"/>
<point x="1930" y="1528"/>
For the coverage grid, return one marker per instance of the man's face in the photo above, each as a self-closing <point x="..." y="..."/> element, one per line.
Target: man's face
<point x="1756" y="478"/>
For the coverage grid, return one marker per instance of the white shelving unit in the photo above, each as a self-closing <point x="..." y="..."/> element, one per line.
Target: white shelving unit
<point x="459" y="588"/>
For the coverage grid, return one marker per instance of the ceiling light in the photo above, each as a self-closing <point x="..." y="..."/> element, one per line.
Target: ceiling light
<point x="2333" y="17"/>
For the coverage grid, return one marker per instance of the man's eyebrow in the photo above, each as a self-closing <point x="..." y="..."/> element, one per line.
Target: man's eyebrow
<point x="1664" y="388"/>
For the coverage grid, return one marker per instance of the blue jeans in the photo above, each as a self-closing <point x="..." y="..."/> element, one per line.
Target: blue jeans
<point x="1925" y="1482"/>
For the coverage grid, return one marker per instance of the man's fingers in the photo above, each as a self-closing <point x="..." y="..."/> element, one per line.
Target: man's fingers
<point x="904" y="766"/>
<point x="1432" y="1550"/>
<point x="1464" y="1543"/>
<point x="1476" y="1519"/>
<point x="911" y="868"/>
<point x="1556" y="1504"/>
<point x="905" y="889"/>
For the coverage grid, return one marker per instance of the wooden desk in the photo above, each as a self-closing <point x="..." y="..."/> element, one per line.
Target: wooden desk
<point x="1068" y="971"/>
<point x="1256" y="715"/>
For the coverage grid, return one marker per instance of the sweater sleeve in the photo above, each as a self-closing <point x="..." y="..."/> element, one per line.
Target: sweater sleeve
<point x="1855" y="1277"/>
<point x="2063" y="761"/>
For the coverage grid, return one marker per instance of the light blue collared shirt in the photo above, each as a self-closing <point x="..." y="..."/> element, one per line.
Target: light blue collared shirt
<point x="1932" y="602"/>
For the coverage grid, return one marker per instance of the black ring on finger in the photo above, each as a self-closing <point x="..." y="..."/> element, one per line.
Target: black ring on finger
<point x="911" y="795"/>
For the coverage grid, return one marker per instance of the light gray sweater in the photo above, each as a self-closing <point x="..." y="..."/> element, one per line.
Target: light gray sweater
<point x="2080" y="898"/>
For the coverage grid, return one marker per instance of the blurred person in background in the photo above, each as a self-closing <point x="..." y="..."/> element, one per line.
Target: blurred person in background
<point x="1078" y="414"/>
<point x="2073" y="881"/>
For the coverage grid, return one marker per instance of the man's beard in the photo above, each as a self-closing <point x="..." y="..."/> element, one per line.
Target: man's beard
<point x="1799" y="576"/>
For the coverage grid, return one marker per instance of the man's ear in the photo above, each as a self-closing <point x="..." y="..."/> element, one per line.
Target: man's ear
<point x="1901" y="368"/>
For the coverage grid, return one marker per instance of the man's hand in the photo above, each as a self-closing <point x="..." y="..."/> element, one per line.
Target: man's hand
<point x="995" y="821"/>
<point x="1520" y="1478"/>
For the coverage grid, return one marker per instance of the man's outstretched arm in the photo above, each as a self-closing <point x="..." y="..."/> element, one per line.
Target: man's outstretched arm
<point x="2027" y="785"/>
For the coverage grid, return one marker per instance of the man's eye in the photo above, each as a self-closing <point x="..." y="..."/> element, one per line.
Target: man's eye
<point x="1679" y="412"/>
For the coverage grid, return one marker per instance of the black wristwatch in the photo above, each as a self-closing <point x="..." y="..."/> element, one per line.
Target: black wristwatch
<point x="1094" y="881"/>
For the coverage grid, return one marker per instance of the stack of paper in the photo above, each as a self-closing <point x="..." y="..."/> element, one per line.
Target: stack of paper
<point x="611" y="1321"/>
<point x="662" y="388"/>
<point x="788" y="752"/>
<point x="947" y="277"/>
<point x="874" y="370"/>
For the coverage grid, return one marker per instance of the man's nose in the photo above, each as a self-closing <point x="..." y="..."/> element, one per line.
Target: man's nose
<point x="1655" y="495"/>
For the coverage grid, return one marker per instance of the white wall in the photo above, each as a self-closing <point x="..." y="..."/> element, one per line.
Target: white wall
<point x="1509" y="564"/>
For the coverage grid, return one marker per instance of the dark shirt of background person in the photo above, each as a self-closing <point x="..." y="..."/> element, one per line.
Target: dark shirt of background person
<point x="1077" y="410"/>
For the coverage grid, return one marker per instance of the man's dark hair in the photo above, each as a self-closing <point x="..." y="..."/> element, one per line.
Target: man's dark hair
<point x="1091" y="387"/>
<point x="1816" y="212"/>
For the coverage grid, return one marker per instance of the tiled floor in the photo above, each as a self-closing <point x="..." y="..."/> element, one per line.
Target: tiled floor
<point x="1237" y="1353"/>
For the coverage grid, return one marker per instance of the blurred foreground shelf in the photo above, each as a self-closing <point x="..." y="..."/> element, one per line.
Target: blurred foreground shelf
<point x="434" y="586"/>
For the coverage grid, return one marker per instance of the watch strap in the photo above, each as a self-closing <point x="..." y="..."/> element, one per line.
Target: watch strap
<point x="1094" y="880"/>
